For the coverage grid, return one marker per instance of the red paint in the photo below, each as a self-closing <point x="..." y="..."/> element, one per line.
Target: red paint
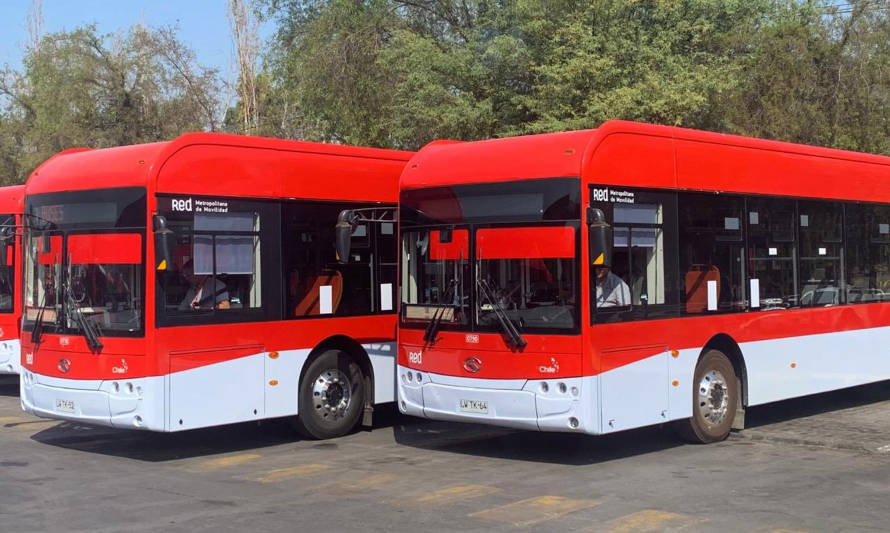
<point x="521" y="243"/>
<point x="457" y="249"/>
<point x="105" y="248"/>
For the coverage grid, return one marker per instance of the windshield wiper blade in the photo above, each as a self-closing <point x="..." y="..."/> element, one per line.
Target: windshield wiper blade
<point x="90" y="329"/>
<point x="506" y="324"/>
<point x="430" y="334"/>
<point x="37" y="331"/>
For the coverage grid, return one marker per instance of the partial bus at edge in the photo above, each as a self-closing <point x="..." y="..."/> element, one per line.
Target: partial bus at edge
<point x="602" y="280"/>
<point x="194" y="283"/>
<point x="10" y="262"/>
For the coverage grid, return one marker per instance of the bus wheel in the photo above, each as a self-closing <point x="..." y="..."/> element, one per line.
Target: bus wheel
<point x="331" y="396"/>
<point x="715" y="397"/>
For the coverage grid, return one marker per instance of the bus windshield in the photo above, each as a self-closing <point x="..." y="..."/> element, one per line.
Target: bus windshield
<point x="84" y="271"/>
<point x="530" y="275"/>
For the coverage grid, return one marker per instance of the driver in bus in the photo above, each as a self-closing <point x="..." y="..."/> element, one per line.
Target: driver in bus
<point x="204" y="291"/>
<point x="611" y="290"/>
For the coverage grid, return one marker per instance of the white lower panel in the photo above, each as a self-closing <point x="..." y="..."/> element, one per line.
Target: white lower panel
<point x="547" y="405"/>
<point x="221" y="393"/>
<point x="820" y="363"/>
<point x="635" y="395"/>
<point x="131" y="403"/>
<point x="383" y="363"/>
<point x="10" y="357"/>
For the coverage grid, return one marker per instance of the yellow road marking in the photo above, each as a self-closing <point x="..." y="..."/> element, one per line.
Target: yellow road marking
<point x="224" y="462"/>
<point x="280" y="474"/>
<point x="788" y="531"/>
<point x="36" y="425"/>
<point x="650" y="520"/>
<point x="360" y="485"/>
<point x="12" y="419"/>
<point x="534" y="510"/>
<point x="455" y="493"/>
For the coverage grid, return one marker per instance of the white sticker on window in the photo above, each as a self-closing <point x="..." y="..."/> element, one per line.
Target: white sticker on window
<point x="755" y="292"/>
<point x="326" y="299"/>
<point x="731" y="223"/>
<point x="804" y="221"/>
<point x="883" y="229"/>
<point x="774" y="251"/>
<point x="712" y="295"/>
<point x="754" y="217"/>
<point x="822" y="251"/>
<point x="386" y="228"/>
<point x="386" y="296"/>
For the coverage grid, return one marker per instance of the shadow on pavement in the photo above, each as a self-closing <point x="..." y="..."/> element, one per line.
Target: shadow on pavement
<point x="826" y="402"/>
<point x="9" y="385"/>
<point x="159" y="447"/>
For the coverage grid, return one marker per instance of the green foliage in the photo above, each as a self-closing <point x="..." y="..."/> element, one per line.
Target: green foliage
<point x="82" y="89"/>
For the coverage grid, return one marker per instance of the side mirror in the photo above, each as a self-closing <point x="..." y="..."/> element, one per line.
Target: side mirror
<point x="599" y="237"/>
<point x="346" y="223"/>
<point x="164" y="243"/>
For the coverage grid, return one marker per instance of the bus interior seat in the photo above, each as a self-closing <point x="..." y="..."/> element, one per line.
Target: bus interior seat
<point x="697" y="278"/>
<point x="311" y="301"/>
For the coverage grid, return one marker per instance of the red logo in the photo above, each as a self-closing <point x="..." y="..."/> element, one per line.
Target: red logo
<point x="472" y="364"/>
<point x="64" y="366"/>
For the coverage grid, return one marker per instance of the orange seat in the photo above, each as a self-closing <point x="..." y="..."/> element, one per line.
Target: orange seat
<point x="697" y="278"/>
<point x="311" y="302"/>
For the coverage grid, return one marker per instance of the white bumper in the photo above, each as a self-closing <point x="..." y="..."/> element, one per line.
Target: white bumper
<point x="565" y="404"/>
<point x="127" y="403"/>
<point x="10" y="357"/>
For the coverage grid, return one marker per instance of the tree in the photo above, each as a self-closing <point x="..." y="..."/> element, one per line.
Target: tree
<point x="83" y="89"/>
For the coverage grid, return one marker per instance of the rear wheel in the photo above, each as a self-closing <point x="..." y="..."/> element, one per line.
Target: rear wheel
<point x="331" y="396"/>
<point x="715" y="398"/>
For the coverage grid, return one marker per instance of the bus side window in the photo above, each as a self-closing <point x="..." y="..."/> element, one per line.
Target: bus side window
<point x="711" y="253"/>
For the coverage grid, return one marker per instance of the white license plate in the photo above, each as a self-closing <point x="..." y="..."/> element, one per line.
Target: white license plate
<point x="474" y="406"/>
<point x="65" y="405"/>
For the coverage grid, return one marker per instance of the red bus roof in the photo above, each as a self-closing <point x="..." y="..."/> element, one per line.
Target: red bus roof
<point x="647" y="155"/>
<point x="11" y="199"/>
<point x="223" y="164"/>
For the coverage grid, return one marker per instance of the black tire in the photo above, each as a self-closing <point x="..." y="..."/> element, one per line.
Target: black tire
<point x="715" y="398"/>
<point x="331" y="396"/>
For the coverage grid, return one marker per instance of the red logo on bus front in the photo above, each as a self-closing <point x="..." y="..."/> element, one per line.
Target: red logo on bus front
<point x="472" y="364"/>
<point x="64" y="366"/>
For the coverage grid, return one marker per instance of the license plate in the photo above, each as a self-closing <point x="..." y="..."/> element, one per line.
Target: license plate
<point x="65" y="405"/>
<point x="474" y="406"/>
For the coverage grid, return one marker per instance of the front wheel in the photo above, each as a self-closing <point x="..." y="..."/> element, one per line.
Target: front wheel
<point x="331" y="396"/>
<point x="715" y="398"/>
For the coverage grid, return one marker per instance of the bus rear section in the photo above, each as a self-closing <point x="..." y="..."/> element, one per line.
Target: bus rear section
<point x="11" y="199"/>
<point x="206" y="290"/>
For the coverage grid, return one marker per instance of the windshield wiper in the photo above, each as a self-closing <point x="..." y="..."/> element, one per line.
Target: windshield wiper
<point x="37" y="331"/>
<point x="433" y="327"/>
<point x="90" y="328"/>
<point x="506" y="324"/>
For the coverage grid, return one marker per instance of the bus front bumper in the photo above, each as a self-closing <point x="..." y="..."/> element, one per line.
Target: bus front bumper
<point x="10" y="357"/>
<point x="547" y="405"/>
<point x="128" y="403"/>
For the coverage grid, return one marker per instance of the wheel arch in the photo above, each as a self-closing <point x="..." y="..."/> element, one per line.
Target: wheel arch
<point x="354" y="349"/>
<point x="726" y="344"/>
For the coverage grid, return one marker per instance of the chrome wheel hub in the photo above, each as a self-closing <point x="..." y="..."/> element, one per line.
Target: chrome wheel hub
<point x="331" y="394"/>
<point x="713" y="397"/>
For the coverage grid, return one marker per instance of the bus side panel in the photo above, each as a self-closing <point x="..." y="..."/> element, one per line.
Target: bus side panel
<point x="203" y="395"/>
<point x="383" y="364"/>
<point x="779" y="369"/>
<point x="635" y="394"/>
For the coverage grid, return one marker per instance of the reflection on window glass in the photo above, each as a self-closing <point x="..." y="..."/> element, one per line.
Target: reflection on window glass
<point x="711" y="252"/>
<point x="7" y="270"/>
<point x="771" y="252"/>
<point x="867" y="253"/>
<point x="821" y="227"/>
<point x="435" y="273"/>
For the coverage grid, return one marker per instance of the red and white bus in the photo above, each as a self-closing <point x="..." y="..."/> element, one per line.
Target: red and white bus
<point x="194" y="283"/>
<point x="10" y="269"/>
<point x="596" y="281"/>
